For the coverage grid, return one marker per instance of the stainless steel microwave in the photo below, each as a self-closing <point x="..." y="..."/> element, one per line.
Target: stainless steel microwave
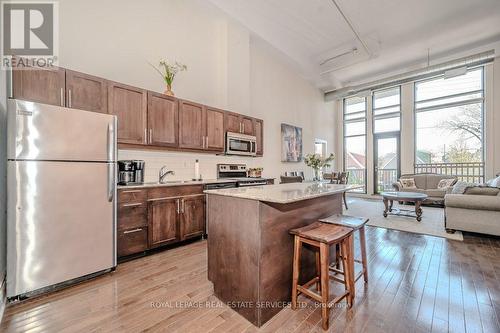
<point x="241" y="144"/>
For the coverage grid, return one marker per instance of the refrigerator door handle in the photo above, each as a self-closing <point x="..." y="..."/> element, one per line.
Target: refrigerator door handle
<point x="111" y="143"/>
<point x="111" y="182"/>
<point x="111" y="164"/>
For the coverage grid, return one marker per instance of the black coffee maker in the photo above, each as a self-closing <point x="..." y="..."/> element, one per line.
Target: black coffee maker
<point x="131" y="172"/>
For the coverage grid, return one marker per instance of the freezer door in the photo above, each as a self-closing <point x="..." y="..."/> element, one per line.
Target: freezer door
<point x="52" y="133"/>
<point x="60" y="222"/>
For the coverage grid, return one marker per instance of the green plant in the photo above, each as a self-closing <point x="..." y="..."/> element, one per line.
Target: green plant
<point x="168" y="71"/>
<point x="317" y="162"/>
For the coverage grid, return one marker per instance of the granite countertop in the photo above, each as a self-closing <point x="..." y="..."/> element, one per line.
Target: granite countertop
<point x="182" y="183"/>
<point x="284" y="193"/>
<point x="178" y="183"/>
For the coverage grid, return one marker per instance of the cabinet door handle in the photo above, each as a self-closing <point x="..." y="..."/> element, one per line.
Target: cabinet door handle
<point x="183" y="206"/>
<point x="62" y="97"/>
<point x="206" y="142"/>
<point x="131" y="191"/>
<point x="69" y="97"/>
<point x="132" y="231"/>
<point x="146" y="135"/>
<point x="132" y="205"/>
<point x="150" y="135"/>
<point x="243" y="128"/>
<point x="178" y="206"/>
<point x="240" y="129"/>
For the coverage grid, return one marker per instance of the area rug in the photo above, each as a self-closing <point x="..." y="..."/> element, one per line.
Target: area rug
<point x="432" y="218"/>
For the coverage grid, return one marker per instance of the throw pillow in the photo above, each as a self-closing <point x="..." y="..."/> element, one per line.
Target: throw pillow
<point x="482" y="190"/>
<point x="408" y="182"/>
<point x="495" y="182"/>
<point x="460" y="186"/>
<point x="444" y="183"/>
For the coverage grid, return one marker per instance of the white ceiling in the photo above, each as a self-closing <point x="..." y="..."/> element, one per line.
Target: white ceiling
<point x="397" y="34"/>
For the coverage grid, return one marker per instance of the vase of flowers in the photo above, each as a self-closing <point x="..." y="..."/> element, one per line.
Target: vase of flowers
<point x="317" y="162"/>
<point x="168" y="73"/>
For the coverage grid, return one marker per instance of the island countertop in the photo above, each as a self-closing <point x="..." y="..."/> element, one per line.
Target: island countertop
<point x="284" y="193"/>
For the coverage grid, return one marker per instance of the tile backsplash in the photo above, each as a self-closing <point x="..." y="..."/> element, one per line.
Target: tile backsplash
<point x="183" y="163"/>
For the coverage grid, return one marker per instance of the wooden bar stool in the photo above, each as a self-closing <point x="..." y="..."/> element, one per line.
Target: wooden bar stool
<point x="321" y="236"/>
<point x="356" y="224"/>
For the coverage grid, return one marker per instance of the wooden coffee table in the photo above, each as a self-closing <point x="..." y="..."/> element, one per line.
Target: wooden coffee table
<point x="416" y="198"/>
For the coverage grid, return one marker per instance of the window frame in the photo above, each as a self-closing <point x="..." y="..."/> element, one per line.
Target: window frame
<point x="386" y="115"/>
<point x="448" y="105"/>
<point x="344" y="122"/>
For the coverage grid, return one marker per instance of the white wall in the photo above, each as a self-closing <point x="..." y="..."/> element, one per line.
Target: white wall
<point x="279" y="95"/>
<point x="227" y="68"/>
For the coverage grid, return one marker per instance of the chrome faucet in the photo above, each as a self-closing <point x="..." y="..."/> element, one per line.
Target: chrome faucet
<point x="163" y="173"/>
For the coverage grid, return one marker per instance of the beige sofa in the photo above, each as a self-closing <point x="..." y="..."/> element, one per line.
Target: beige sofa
<point x="473" y="213"/>
<point x="426" y="183"/>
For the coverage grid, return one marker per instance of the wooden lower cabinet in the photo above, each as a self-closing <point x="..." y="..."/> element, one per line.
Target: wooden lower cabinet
<point x="192" y="218"/>
<point x="163" y="221"/>
<point x="132" y="241"/>
<point x="153" y="217"/>
<point x="132" y="226"/>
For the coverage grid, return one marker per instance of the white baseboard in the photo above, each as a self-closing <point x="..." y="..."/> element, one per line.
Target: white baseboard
<point x="3" y="298"/>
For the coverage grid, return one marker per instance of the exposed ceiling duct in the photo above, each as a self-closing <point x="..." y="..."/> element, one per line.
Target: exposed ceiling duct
<point x="469" y="62"/>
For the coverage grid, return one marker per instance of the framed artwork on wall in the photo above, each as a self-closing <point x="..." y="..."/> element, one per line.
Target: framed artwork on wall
<point x="291" y="143"/>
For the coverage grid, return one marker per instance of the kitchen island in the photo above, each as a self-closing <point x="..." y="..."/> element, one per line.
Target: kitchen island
<point x="250" y="250"/>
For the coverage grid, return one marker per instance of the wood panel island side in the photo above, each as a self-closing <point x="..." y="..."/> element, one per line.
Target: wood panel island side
<point x="250" y="250"/>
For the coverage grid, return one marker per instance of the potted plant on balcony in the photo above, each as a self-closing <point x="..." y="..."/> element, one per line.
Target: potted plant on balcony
<point x="317" y="162"/>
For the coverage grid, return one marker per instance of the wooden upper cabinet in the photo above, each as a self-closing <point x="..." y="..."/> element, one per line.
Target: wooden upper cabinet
<point x="247" y="125"/>
<point x="192" y="219"/>
<point x="259" y="133"/>
<point x="238" y="123"/>
<point x="45" y="86"/>
<point x="86" y="92"/>
<point x="233" y="122"/>
<point x="163" y="120"/>
<point x="191" y="125"/>
<point x="215" y="129"/>
<point x="129" y="104"/>
<point x="163" y="221"/>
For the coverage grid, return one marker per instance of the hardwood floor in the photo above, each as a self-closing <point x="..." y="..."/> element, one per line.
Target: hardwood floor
<point x="417" y="284"/>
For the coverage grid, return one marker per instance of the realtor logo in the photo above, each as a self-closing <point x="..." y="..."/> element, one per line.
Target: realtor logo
<point x="29" y="30"/>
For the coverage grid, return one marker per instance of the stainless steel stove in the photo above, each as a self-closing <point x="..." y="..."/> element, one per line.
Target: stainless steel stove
<point x="238" y="173"/>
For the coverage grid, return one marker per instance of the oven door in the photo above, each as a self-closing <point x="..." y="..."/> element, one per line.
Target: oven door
<point x="238" y="144"/>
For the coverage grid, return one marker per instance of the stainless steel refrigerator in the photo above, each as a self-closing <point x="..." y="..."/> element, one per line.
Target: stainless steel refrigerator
<point x="61" y="196"/>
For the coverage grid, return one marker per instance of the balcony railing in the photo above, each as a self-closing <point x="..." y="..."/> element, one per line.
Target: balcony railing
<point x="472" y="172"/>
<point x="357" y="177"/>
<point x="385" y="179"/>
